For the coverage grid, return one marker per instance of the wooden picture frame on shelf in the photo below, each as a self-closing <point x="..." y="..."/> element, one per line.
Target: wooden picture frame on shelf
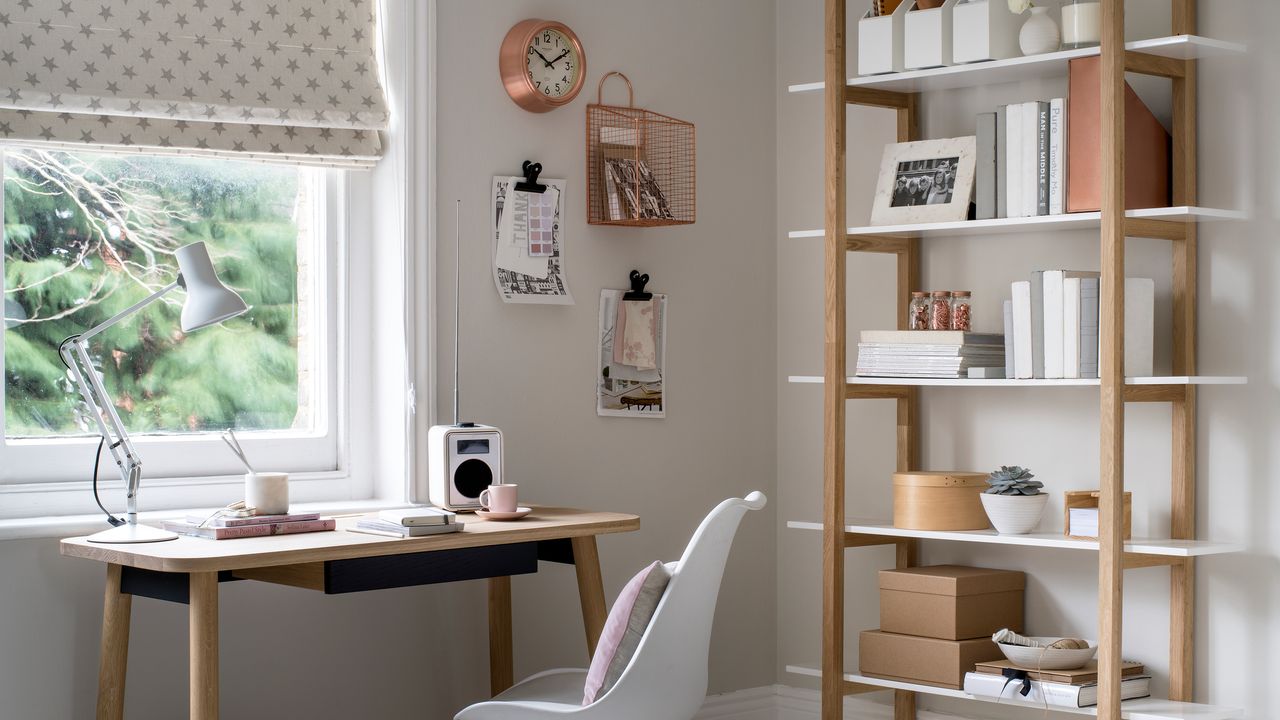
<point x="925" y="181"/>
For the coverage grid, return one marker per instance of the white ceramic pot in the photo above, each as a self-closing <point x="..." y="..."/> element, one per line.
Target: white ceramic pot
<point x="1039" y="33"/>
<point x="1014" y="514"/>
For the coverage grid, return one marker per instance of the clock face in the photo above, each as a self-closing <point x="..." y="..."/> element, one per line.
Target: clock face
<point x="553" y="64"/>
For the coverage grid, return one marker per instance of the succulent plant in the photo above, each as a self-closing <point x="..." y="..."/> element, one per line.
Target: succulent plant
<point x="1013" y="480"/>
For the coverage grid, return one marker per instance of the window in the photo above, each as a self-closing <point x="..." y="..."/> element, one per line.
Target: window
<point x="87" y="235"/>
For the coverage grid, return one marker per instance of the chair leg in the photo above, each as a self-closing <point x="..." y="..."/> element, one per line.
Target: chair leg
<point x="586" y="560"/>
<point x="501" y="658"/>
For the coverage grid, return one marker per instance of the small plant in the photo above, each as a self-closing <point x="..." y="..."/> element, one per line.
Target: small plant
<point x="1013" y="480"/>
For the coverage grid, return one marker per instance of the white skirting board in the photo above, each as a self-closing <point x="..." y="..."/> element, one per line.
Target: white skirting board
<point x="780" y="702"/>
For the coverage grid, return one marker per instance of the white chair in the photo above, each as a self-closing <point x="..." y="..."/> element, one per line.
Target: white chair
<point x="667" y="676"/>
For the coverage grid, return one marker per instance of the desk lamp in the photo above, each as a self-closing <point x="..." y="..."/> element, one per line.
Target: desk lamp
<point x="209" y="302"/>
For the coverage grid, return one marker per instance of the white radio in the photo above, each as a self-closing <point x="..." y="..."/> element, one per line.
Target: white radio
<point x="463" y="460"/>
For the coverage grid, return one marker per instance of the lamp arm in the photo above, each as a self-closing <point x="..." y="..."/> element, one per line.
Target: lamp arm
<point x="130" y="310"/>
<point x="99" y="401"/>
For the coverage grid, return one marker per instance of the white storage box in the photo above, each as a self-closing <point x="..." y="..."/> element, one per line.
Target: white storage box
<point x="927" y="36"/>
<point x="880" y="42"/>
<point x="984" y="30"/>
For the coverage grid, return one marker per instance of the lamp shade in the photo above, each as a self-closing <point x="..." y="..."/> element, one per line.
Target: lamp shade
<point x="209" y="302"/>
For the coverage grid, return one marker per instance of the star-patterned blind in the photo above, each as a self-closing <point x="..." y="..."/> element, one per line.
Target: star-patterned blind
<point x="283" y="80"/>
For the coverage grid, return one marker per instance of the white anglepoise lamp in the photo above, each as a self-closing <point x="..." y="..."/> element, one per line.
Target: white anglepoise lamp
<point x="209" y="302"/>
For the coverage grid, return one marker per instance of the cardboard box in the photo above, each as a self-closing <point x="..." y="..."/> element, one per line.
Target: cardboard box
<point x="951" y="602"/>
<point x="922" y="660"/>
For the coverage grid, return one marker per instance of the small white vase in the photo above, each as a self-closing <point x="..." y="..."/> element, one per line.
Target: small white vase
<point x="1014" y="514"/>
<point x="1039" y="33"/>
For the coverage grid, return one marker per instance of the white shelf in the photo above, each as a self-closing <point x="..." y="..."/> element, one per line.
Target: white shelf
<point x="1033" y="67"/>
<point x="1038" y="382"/>
<point x="1072" y="221"/>
<point x="1141" y="546"/>
<point x="1143" y="709"/>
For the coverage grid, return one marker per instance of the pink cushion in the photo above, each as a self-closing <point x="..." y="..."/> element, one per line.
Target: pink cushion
<point x="627" y="622"/>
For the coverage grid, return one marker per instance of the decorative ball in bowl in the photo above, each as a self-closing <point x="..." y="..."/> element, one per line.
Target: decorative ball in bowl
<point x="1056" y="653"/>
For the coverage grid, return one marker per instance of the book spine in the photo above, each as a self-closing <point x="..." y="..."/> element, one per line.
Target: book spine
<point x="1089" y="327"/>
<point x="1042" y="158"/>
<point x="265" y="520"/>
<point x="1022" y="357"/>
<point x="1053" y="323"/>
<point x="985" y="191"/>
<point x="218" y="533"/>
<point x="305" y="526"/>
<point x="1013" y="162"/>
<point x="1071" y="327"/>
<point x="1057" y="159"/>
<point x="1037" y="324"/>
<point x="1002" y="161"/>
<point x="1139" y="327"/>
<point x="1008" y="339"/>
<point x="1030" y="150"/>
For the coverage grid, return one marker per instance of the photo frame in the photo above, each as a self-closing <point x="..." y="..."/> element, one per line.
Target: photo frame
<point x="925" y="181"/>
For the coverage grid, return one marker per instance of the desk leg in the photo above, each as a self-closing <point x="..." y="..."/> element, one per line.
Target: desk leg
<point x="113" y="657"/>
<point x="586" y="560"/>
<point x="501" y="659"/>
<point x="203" y="632"/>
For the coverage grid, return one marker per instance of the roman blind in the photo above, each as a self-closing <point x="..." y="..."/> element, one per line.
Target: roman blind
<point x="286" y="80"/>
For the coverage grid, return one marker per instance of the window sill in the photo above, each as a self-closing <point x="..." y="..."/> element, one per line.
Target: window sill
<point x="63" y="526"/>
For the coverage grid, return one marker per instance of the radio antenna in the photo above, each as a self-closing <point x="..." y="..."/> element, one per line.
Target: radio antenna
<point x="457" y="303"/>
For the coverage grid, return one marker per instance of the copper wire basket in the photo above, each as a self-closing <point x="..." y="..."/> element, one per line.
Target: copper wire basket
<point x="641" y="169"/>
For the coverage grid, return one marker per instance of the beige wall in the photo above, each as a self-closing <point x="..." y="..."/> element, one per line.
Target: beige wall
<point x="420" y="652"/>
<point x="1055" y="432"/>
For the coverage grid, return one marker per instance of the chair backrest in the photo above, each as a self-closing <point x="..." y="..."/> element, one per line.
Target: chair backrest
<point x="667" y="677"/>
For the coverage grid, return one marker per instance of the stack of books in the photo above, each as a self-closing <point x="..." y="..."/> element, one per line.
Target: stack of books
<point x="1053" y="688"/>
<point x="409" y="522"/>
<point x="231" y="528"/>
<point x="927" y="353"/>
<point x="1052" y="326"/>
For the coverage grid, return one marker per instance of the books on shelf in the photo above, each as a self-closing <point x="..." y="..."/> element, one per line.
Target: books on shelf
<point x="927" y="353"/>
<point x="220" y="532"/>
<point x="1054" y="325"/>
<point x="378" y="526"/>
<point x="1051" y="694"/>
<point x="1030" y="157"/>
<point x="1078" y="676"/>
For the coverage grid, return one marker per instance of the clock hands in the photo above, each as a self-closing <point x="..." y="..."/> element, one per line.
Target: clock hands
<point x="544" y="57"/>
<point x="553" y="62"/>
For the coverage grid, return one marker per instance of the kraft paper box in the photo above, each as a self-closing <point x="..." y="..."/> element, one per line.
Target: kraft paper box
<point x="951" y="602"/>
<point x="922" y="660"/>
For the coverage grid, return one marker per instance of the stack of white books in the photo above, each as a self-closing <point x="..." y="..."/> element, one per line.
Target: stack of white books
<point x="410" y="522"/>
<point x="1051" y="694"/>
<point x="1052" y="326"/>
<point x="927" y="353"/>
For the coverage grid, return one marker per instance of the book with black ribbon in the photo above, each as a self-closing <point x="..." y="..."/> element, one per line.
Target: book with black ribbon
<point x="1017" y="684"/>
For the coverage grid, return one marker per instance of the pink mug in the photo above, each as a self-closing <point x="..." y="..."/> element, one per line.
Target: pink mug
<point x="500" y="498"/>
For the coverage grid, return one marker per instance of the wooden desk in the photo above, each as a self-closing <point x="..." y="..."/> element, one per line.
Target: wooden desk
<point x="188" y="570"/>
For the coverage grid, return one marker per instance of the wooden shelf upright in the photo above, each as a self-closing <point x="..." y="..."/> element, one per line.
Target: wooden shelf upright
<point x="837" y="390"/>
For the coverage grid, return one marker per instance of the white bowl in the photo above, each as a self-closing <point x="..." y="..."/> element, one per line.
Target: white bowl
<point x="1033" y="658"/>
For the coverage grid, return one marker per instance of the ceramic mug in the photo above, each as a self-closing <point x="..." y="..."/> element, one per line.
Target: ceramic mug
<point x="267" y="492"/>
<point x="500" y="498"/>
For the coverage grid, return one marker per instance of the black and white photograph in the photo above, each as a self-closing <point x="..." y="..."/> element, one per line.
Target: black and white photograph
<point x="925" y="182"/>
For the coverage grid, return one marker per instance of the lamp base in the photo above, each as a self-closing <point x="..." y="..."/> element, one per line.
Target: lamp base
<point x="132" y="533"/>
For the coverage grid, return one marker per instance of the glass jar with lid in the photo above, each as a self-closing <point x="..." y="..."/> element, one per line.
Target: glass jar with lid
<point x="918" y="311"/>
<point x="961" y="319"/>
<point x="940" y="310"/>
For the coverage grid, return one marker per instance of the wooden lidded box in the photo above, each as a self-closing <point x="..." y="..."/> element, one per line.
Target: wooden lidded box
<point x="939" y="500"/>
<point x="922" y="660"/>
<point x="951" y="602"/>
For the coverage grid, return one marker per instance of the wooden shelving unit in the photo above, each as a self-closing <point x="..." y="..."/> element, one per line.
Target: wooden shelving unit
<point x="1171" y="57"/>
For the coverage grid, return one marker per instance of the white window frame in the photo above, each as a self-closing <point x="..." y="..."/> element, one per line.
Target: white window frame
<point x="378" y="334"/>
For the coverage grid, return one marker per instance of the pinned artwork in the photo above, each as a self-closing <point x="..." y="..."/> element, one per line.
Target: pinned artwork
<point x="528" y="241"/>
<point x="632" y="352"/>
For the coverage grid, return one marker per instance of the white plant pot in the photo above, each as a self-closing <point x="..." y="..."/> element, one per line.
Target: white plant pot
<point x="1014" y="514"/>
<point x="1039" y="33"/>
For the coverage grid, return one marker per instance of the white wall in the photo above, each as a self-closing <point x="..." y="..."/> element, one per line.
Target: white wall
<point x="293" y="653"/>
<point x="1055" y="432"/>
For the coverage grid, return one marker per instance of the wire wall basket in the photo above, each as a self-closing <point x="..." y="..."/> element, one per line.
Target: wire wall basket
<point x="641" y="165"/>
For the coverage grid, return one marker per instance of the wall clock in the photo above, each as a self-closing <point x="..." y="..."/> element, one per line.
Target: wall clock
<point x="542" y="64"/>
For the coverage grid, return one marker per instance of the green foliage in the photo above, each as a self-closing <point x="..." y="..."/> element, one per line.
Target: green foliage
<point x="67" y="267"/>
<point x="1013" y="480"/>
